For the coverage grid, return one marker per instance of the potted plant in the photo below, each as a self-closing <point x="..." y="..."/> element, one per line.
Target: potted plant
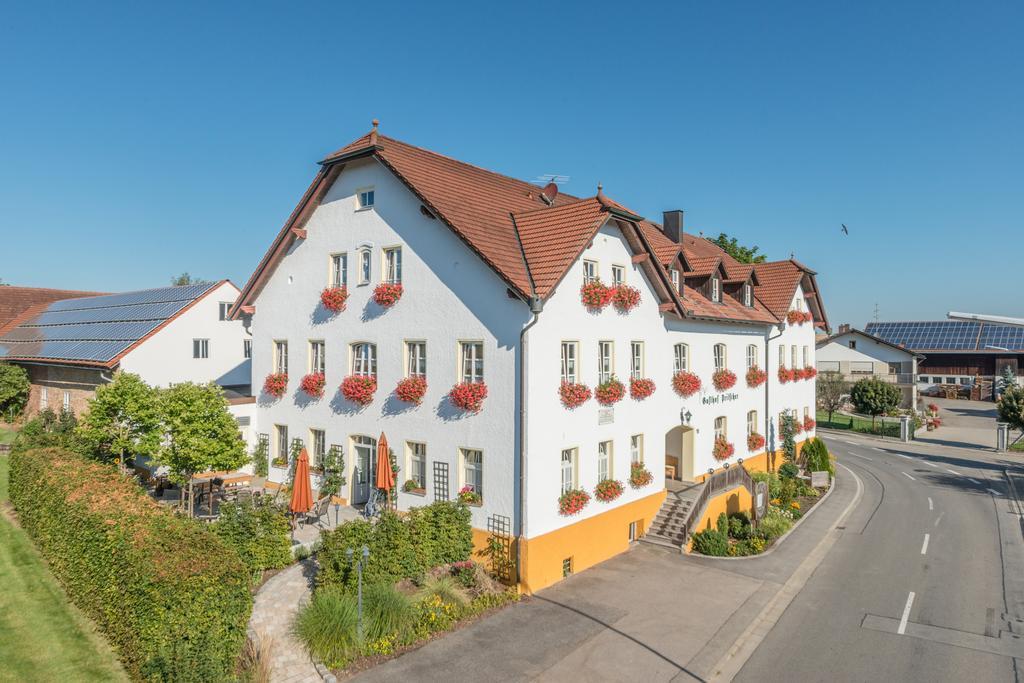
<point x="573" y="395"/>
<point x="786" y="375"/>
<point x="468" y="396"/>
<point x="412" y="389"/>
<point x="795" y="318"/>
<point x="411" y="486"/>
<point x="754" y="442"/>
<point x="639" y="476"/>
<point x="625" y="298"/>
<point x="756" y="377"/>
<point x="809" y="423"/>
<point x="723" y="379"/>
<point x="640" y="388"/>
<point x="470" y="497"/>
<point x="359" y="388"/>
<point x="722" y="450"/>
<point x="685" y="383"/>
<point x="387" y="294"/>
<point x="610" y="391"/>
<point x="334" y="298"/>
<point x="276" y="384"/>
<point x="595" y="295"/>
<point x="810" y="372"/>
<point x="798" y="374"/>
<point x="313" y="384"/>
<point x="608" y="490"/>
<point x="572" y="502"/>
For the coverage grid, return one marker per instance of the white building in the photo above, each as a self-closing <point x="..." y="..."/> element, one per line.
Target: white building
<point x="491" y="270"/>
<point x="856" y="355"/>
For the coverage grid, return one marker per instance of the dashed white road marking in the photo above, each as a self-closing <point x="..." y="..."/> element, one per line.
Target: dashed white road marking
<point x="953" y="472"/>
<point x="939" y="518"/>
<point x="973" y="481"/>
<point x="929" y="463"/>
<point x="857" y="455"/>
<point x="905" y="457"/>
<point x="924" y="546"/>
<point x="994" y="492"/>
<point x="906" y="614"/>
<point x="909" y="477"/>
<point x="930" y="505"/>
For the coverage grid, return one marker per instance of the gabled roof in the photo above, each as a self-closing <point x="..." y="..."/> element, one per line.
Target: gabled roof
<point x="548" y="259"/>
<point x="899" y="347"/>
<point x="100" y="330"/>
<point x="704" y="266"/>
<point x="15" y="301"/>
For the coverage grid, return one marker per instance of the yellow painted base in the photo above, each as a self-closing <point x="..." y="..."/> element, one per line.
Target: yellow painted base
<point x="585" y="543"/>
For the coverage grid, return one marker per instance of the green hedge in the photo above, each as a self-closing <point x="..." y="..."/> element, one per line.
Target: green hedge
<point x="171" y="597"/>
<point x="259" y="531"/>
<point x="400" y="547"/>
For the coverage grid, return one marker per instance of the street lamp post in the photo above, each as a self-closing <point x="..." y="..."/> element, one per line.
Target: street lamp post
<point x="360" y="563"/>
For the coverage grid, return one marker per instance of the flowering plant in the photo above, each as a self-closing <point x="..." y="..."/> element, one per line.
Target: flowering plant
<point x="610" y="392"/>
<point x="608" y="490"/>
<point x="723" y="379"/>
<point x="468" y="395"/>
<point x="313" y="384"/>
<point x="572" y="502"/>
<point x="639" y="476"/>
<point x="276" y="384"/>
<point x="412" y="389"/>
<point x="799" y="317"/>
<point x="809" y="423"/>
<point x="685" y="383"/>
<point x="595" y="295"/>
<point x="756" y="377"/>
<point x="573" y="395"/>
<point x="808" y="317"/>
<point x="470" y="497"/>
<point x="625" y="298"/>
<point x="334" y="298"/>
<point x="786" y="375"/>
<point x="411" y="485"/>
<point x="810" y="372"/>
<point x="798" y="374"/>
<point x="754" y="441"/>
<point x="937" y="421"/>
<point x="798" y="426"/>
<point x="640" y="389"/>
<point x="359" y="388"/>
<point x="722" y="450"/>
<point x="933" y="408"/>
<point x="387" y="294"/>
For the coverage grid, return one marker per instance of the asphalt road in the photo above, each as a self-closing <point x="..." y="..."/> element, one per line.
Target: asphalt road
<point x="924" y="583"/>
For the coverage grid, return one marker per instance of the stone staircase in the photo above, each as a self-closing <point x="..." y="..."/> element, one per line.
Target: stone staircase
<point x="669" y="527"/>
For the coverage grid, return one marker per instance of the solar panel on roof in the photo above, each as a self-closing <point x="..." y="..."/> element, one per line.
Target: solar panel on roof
<point x="952" y="335"/>
<point x="151" y="311"/>
<point x="93" y="331"/>
<point x="146" y="296"/>
<point x="1003" y="336"/>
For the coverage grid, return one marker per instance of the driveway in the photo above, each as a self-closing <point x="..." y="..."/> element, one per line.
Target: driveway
<point x="967" y="424"/>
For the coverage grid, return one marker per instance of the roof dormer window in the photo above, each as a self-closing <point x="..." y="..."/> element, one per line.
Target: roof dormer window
<point x="748" y="296"/>
<point x="716" y="289"/>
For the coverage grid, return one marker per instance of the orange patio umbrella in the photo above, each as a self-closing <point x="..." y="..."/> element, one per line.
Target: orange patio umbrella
<point x="302" y="489"/>
<point x="385" y="475"/>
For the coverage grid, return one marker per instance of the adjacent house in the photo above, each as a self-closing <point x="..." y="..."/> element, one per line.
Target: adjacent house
<point x="558" y="341"/>
<point x="856" y="355"/>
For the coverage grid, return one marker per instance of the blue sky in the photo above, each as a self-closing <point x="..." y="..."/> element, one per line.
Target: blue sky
<point x="142" y="141"/>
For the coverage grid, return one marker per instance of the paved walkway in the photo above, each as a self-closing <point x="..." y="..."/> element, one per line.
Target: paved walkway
<point x="966" y="424"/>
<point x="276" y="604"/>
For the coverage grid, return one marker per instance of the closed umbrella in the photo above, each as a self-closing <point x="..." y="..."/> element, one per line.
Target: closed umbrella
<point x="385" y="475"/>
<point x="302" y="489"/>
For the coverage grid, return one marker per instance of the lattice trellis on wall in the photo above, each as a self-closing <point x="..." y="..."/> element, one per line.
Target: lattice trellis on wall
<point x="502" y="561"/>
<point x="441" y="481"/>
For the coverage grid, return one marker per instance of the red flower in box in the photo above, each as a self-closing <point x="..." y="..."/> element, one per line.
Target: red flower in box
<point x="723" y="379"/>
<point x="808" y="317"/>
<point x="799" y="374"/>
<point x="412" y="389"/>
<point x="595" y="295"/>
<point x="572" y="501"/>
<point x="387" y="294"/>
<point x="640" y="389"/>
<point x="639" y="476"/>
<point x="610" y="392"/>
<point x="573" y="395"/>
<point x="756" y="377"/>
<point x="625" y="298"/>
<point x="359" y="388"/>
<point x="722" y="450"/>
<point x="334" y="298"/>
<point x="313" y="384"/>
<point x="810" y="372"/>
<point x="798" y="427"/>
<point x="469" y="396"/>
<point x="796" y="318"/>
<point x="276" y="384"/>
<point x="685" y="383"/>
<point x="786" y="375"/>
<point x="754" y="441"/>
<point x="608" y="490"/>
<point x="809" y="423"/>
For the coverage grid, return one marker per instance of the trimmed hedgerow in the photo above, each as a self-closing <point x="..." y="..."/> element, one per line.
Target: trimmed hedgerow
<point x="259" y="531"/>
<point x="171" y="597"/>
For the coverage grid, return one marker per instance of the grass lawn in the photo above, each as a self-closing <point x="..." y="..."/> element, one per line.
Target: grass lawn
<point x="892" y="427"/>
<point x="7" y="435"/>
<point x="44" y="638"/>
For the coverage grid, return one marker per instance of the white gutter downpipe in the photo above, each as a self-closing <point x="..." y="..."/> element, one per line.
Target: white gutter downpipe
<point x="536" y="306"/>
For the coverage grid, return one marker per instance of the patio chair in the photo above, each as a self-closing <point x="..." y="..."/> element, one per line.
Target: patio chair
<point x="316" y="514"/>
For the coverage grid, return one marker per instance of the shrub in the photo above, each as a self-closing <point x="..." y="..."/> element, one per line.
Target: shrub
<point x="47" y="430"/>
<point x="259" y="531"/>
<point x="327" y="626"/>
<point x="711" y="542"/>
<point x="770" y="478"/>
<point x="171" y="597"/>
<point x="788" y="470"/>
<point x="775" y="523"/>
<point x="817" y="457"/>
<point x="14" y="389"/>
<point x="466" y="573"/>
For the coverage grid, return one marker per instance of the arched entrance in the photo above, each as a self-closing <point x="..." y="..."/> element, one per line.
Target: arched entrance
<point x="679" y="453"/>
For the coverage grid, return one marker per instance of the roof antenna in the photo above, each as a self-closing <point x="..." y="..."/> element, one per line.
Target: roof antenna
<point x="373" y="133"/>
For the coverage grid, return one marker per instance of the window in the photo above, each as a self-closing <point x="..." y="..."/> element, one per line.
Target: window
<point x="862" y="367"/>
<point x="675" y="278"/>
<point x="748" y="295"/>
<point x="682" y="357"/>
<point x="636" y="363"/>
<point x="720" y="430"/>
<point x="716" y="289"/>
<point x="365" y="198"/>
<point x="751" y="355"/>
<point x="364" y="266"/>
<point x="416" y="355"/>
<point x="339" y="270"/>
<point x="473" y="470"/>
<point x="393" y="265"/>
<point x="44" y="399"/>
<point x="792" y="355"/>
<point x="589" y="271"/>
<point x="633" y="526"/>
<point x="317" y="357"/>
<point x="604" y="361"/>
<point x="807" y="357"/>
<point x="636" y="448"/>
<point x="782" y="355"/>
<point x="951" y="380"/>
<point x="568" y="469"/>
<point x="751" y="422"/>
<point x="719" y="352"/>
<point x="570" y="351"/>
<point x="895" y="368"/>
<point x="966" y="381"/>
<point x="471" y="356"/>
<point x="281" y="443"/>
<point x="365" y="449"/>
<point x="364" y="359"/>
<point x="618" y="275"/>
<point x="853" y="343"/>
<point x="923" y="379"/>
<point x="200" y="348"/>
<point x="223" y="308"/>
<point x="799" y="305"/>
<point x="247" y="348"/>
<point x="281" y="356"/>
<point x="318" y="441"/>
<point x="566" y="567"/>
<point x="66" y="405"/>
<point x="604" y="460"/>
<point x="417" y="463"/>
<point x="828" y="366"/>
<point x="807" y="413"/>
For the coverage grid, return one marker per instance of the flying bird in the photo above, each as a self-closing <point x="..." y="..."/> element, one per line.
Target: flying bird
<point x="845" y="231"/>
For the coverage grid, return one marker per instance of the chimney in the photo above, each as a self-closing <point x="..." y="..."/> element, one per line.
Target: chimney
<point x="844" y="328"/>
<point x="672" y="225"/>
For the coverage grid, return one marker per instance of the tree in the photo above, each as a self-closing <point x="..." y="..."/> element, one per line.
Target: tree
<point x="14" y="389"/>
<point x="186" y="279"/>
<point x="787" y="427"/>
<point x="832" y="391"/>
<point x="1010" y="407"/>
<point x="122" y="421"/>
<point x="872" y="396"/>
<point x="1008" y="379"/>
<point x="738" y="251"/>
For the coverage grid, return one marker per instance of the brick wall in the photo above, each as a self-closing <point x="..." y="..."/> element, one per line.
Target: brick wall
<point x="79" y="383"/>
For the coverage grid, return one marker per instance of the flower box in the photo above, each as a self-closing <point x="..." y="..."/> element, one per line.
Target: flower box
<point x="786" y="375"/>
<point x="313" y="384"/>
<point x="468" y="396"/>
<point x="722" y="450"/>
<point x="723" y="379"/>
<point x="640" y="388"/>
<point x="809" y="423"/>
<point x="470" y="497"/>
<point x="608" y="490"/>
<point x="810" y="372"/>
<point x="572" y="502"/>
<point x="685" y="383"/>
<point x="798" y="427"/>
<point x="799" y="374"/>
<point x="412" y="389"/>
<point x="573" y="395"/>
<point x="411" y="486"/>
<point x="334" y="298"/>
<point x="625" y="298"/>
<point x="755" y="442"/>
<point x="639" y="476"/>
<point x="359" y="388"/>
<point x="610" y="392"/>
<point x="799" y="317"/>
<point x="756" y="377"/>
<point x="276" y="384"/>
<point x="595" y="295"/>
<point x="387" y="294"/>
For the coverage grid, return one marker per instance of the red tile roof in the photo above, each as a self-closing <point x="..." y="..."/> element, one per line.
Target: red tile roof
<point x="553" y="238"/>
<point x="703" y="266"/>
<point x="15" y="301"/>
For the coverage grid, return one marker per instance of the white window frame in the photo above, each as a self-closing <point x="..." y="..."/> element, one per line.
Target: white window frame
<point x="636" y="359"/>
<point x="281" y="443"/>
<point x="366" y="198"/>
<point x="720" y="356"/>
<point x="716" y="289"/>
<point x="317" y="356"/>
<point x="807" y="357"/>
<point x="605" y="460"/>
<point x="317" y="447"/>
<point x="618" y="274"/>
<point x="751" y="355"/>
<point x="281" y="355"/>
<point x="44" y="398"/>
<point x="748" y="295"/>
<point x="605" y="360"/>
<point x="793" y="355"/>
<point x="751" y="422"/>
<point x="675" y="278"/>
<point x="722" y="427"/>
<point x="468" y="467"/>
<point x="636" y="449"/>
<point x="200" y="349"/>
<point x="338" y="276"/>
<point x="570" y="355"/>
<point x="365" y="258"/>
<point x="590" y="271"/>
<point x="222" y="310"/>
<point x="65" y="405"/>
<point x="391" y="265"/>
<point x="415" y="358"/>
<point x="416" y="456"/>
<point x="364" y="359"/>
<point x="471" y="361"/>
<point x="247" y="348"/>
<point x="567" y="469"/>
<point x="681" y="357"/>
<point x="782" y="355"/>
